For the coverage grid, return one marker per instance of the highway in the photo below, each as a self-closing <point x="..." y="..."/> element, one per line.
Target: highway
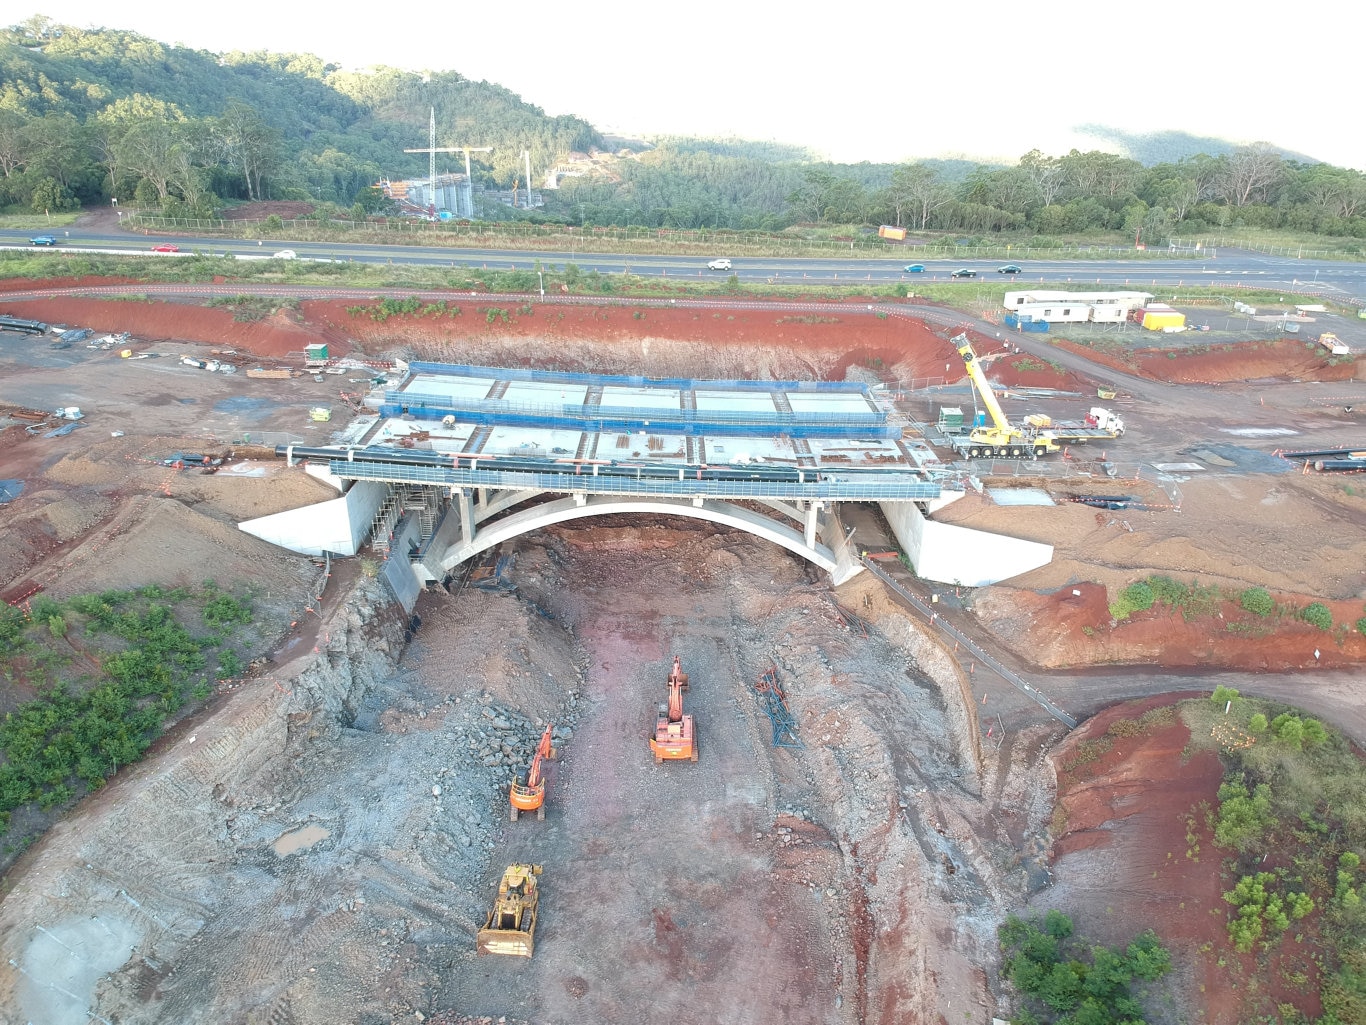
<point x="1237" y="268"/>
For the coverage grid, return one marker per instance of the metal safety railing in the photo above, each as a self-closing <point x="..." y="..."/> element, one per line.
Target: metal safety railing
<point x="629" y="425"/>
<point x="626" y="381"/>
<point x="905" y="489"/>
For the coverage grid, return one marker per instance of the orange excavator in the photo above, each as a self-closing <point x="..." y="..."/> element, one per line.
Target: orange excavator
<point x="674" y="737"/>
<point x="528" y="793"/>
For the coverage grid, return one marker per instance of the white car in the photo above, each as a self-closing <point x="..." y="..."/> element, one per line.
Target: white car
<point x="719" y="265"/>
<point x="285" y="254"/>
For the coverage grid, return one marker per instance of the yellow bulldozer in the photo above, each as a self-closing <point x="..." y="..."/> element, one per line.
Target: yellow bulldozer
<point x="511" y="925"/>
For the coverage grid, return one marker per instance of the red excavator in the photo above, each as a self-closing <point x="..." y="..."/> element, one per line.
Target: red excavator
<point x="674" y="737"/>
<point x="528" y="793"/>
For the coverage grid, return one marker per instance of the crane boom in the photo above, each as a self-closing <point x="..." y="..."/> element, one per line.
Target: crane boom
<point x="979" y="381"/>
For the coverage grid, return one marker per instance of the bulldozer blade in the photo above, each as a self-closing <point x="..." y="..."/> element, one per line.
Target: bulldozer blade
<point x="505" y="941"/>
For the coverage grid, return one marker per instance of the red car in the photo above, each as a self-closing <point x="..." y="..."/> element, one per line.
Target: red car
<point x="165" y="247"/>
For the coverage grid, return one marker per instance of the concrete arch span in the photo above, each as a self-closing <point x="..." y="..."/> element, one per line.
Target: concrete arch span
<point x="837" y="563"/>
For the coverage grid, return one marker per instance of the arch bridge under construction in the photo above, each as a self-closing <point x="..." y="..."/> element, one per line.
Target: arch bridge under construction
<point x="458" y="459"/>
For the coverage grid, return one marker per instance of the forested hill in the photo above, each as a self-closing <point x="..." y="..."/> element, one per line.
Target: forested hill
<point x="323" y="132"/>
<point x="87" y="116"/>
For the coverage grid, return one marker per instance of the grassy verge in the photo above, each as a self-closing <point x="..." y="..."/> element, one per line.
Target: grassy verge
<point x="37" y="223"/>
<point x="109" y="671"/>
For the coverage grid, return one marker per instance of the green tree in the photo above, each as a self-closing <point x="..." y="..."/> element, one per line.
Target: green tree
<point x="49" y="195"/>
<point x="1249" y="172"/>
<point x="1065" y="981"/>
<point x="242" y="137"/>
<point x="917" y="190"/>
<point x="808" y="201"/>
<point x="13" y="146"/>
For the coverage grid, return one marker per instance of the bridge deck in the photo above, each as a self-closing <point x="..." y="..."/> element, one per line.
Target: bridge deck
<point x="666" y="428"/>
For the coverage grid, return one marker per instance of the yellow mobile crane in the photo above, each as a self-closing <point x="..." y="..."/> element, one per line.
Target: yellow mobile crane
<point x="1001" y="440"/>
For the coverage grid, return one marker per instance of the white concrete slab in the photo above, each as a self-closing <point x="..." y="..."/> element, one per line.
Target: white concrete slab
<point x="466" y="388"/>
<point x="642" y="398"/>
<point x="822" y="402"/>
<point x="545" y="393"/>
<point x="391" y="430"/>
<point x="531" y="441"/>
<point x="836" y="453"/>
<point x="720" y="401"/>
<point x="733" y="450"/>
<point x="1020" y="496"/>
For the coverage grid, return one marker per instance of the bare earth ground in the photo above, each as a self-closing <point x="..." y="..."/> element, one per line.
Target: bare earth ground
<point x="861" y="877"/>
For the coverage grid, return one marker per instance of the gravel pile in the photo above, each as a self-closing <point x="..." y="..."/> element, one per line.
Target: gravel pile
<point x="502" y="737"/>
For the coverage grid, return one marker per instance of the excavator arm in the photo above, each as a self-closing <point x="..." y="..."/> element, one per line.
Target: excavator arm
<point x="530" y="795"/>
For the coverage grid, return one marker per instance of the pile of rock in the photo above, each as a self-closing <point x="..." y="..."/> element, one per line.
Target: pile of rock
<point x="500" y="737"/>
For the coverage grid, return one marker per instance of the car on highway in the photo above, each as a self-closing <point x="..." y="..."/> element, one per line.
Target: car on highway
<point x="285" y="254"/>
<point x="43" y="240"/>
<point x="1009" y="268"/>
<point x="165" y="247"/>
<point x="963" y="272"/>
<point x="914" y="268"/>
<point x="719" y="265"/>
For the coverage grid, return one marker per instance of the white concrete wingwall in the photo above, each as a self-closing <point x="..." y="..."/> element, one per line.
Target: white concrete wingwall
<point x="337" y="526"/>
<point x="960" y="555"/>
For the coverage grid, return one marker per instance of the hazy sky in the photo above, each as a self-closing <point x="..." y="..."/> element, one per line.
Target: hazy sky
<point x="874" y="80"/>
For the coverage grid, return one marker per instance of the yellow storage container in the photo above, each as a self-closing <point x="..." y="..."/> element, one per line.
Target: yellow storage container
<point x="1156" y="320"/>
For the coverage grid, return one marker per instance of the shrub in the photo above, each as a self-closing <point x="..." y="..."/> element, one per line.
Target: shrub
<point x="1289" y="729"/>
<point x="1258" y="601"/>
<point x="1050" y="967"/>
<point x="1361" y="626"/>
<point x="229" y="664"/>
<point x="1167" y="591"/>
<point x="1138" y="596"/>
<point x="1222" y="695"/>
<point x="1243" y="816"/>
<point x="1134" y="598"/>
<point x="1319" y="615"/>
<point x="225" y="611"/>
<point x="1257" y="724"/>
